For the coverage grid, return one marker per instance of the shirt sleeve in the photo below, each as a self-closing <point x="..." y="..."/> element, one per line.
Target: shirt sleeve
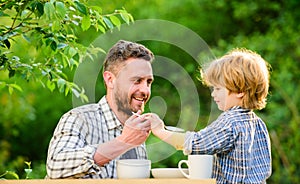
<point x="215" y="138"/>
<point x="68" y="154"/>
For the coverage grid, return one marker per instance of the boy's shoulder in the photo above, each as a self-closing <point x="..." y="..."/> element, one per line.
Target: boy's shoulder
<point x="238" y="114"/>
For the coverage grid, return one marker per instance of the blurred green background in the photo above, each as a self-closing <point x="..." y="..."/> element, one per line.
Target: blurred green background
<point x="271" y="28"/>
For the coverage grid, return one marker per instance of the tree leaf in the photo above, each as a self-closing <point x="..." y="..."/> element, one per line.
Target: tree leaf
<point x="11" y="175"/>
<point x="7" y="43"/>
<point x="81" y="7"/>
<point x="40" y="8"/>
<point x="101" y="28"/>
<point x="85" y="23"/>
<point x="67" y="90"/>
<point x="50" y="85"/>
<point x="49" y="9"/>
<point x="108" y="23"/>
<point x="76" y="57"/>
<point x="61" y="84"/>
<point x="103" y="23"/>
<point x="61" y="45"/>
<point x="125" y="17"/>
<point x="72" y="51"/>
<point x="75" y="92"/>
<point x="2" y="84"/>
<point x="60" y="9"/>
<point x="115" y="21"/>
<point x="10" y="90"/>
<point x="53" y="45"/>
<point x="48" y="41"/>
<point x="15" y="86"/>
<point x="26" y="38"/>
<point x="11" y="73"/>
<point x="55" y="26"/>
<point x="97" y="8"/>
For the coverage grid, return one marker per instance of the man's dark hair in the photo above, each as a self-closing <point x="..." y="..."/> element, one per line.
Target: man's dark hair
<point x="122" y="51"/>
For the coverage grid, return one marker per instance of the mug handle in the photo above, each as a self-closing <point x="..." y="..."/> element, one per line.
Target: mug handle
<point x="180" y="169"/>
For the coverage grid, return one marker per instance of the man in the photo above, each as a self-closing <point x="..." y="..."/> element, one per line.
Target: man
<point x="89" y="139"/>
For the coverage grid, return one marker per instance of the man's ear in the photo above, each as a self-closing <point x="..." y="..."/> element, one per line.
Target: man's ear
<point x="109" y="79"/>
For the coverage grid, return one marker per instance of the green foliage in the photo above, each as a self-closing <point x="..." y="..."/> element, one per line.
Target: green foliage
<point x="14" y="175"/>
<point x="48" y="55"/>
<point x="40" y="45"/>
<point x="48" y="31"/>
<point x="26" y="126"/>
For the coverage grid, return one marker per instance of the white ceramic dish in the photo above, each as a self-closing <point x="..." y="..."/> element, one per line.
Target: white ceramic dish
<point x="133" y="168"/>
<point x="167" y="173"/>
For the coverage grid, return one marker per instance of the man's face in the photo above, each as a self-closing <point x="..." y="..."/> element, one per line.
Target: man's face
<point x="133" y="86"/>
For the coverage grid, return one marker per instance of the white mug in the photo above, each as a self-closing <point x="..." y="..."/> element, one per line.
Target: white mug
<point x="133" y="168"/>
<point x="199" y="166"/>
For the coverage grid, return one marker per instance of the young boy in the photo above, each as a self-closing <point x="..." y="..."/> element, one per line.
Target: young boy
<point x="238" y="137"/>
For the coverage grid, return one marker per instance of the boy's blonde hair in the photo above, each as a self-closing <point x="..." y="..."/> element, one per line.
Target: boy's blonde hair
<point x="240" y="71"/>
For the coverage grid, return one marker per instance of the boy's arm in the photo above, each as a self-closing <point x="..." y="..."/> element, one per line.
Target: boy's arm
<point x="175" y="139"/>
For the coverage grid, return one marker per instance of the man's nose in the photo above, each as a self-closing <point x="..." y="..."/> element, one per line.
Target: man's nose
<point x="145" y="87"/>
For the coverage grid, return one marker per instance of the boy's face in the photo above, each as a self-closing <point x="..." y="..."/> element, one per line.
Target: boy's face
<point x="224" y="99"/>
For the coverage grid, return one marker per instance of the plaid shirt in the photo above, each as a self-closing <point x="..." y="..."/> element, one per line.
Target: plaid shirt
<point x="241" y="144"/>
<point x="76" y="138"/>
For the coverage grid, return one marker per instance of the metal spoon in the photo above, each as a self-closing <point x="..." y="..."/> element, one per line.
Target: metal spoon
<point x="174" y="129"/>
<point x="170" y="128"/>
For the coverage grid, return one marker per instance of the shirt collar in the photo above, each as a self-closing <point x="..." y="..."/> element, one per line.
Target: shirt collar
<point x="109" y="116"/>
<point x="238" y="108"/>
<point x="235" y="107"/>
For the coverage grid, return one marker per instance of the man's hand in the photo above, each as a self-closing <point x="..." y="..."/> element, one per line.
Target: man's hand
<point x="136" y="130"/>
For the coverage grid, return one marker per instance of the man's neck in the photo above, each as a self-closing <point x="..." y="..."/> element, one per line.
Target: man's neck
<point x="122" y="117"/>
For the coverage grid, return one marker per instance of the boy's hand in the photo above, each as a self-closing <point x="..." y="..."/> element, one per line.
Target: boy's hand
<point x="157" y="125"/>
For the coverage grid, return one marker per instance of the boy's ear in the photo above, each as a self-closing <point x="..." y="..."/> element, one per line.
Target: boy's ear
<point x="240" y="95"/>
<point x="109" y="79"/>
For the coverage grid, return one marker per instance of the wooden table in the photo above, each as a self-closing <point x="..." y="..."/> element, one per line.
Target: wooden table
<point x="112" y="181"/>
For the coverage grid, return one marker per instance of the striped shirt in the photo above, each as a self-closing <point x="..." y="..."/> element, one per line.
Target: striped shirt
<point x="76" y="138"/>
<point x="241" y="144"/>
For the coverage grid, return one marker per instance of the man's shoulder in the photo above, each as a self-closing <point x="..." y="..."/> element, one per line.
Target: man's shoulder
<point x="92" y="107"/>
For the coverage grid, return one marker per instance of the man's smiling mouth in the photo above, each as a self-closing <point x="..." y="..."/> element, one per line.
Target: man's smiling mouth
<point x="140" y="98"/>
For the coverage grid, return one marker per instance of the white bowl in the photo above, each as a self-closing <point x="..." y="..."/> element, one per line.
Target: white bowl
<point x="133" y="168"/>
<point x="168" y="173"/>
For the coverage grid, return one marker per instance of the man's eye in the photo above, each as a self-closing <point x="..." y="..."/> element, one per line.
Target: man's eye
<point x="149" y="81"/>
<point x="137" y="81"/>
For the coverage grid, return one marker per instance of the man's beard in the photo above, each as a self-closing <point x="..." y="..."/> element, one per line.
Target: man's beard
<point x="123" y="104"/>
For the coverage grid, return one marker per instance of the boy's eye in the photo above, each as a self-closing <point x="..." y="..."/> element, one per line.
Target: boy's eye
<point x="215" y="88"/>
